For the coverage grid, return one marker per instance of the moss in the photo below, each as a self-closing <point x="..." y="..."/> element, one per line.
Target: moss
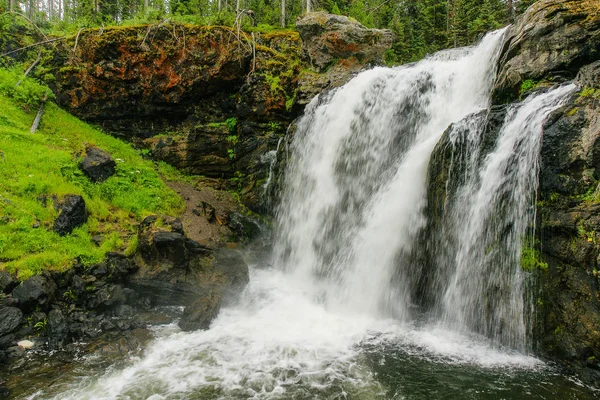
<point x="589" y="92"/>
<point x="531" y="260"/>
<point x="572" y="111"/>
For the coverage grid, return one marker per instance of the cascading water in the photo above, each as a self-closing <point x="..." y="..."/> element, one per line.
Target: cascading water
<point x="355" y="188"/>
<point x="488" y="216"/>
<point x="335" y="317"/>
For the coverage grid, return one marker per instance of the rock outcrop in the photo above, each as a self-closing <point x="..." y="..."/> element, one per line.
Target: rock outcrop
<point x="205" y="99"/>
<point x="331" y="39"/>
<point x="175" y="270"/>
<point x="550" y="43"/>
<point x="555" y="42"/>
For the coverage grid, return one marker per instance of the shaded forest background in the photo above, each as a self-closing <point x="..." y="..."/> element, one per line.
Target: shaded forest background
<point x="421" y="26"/>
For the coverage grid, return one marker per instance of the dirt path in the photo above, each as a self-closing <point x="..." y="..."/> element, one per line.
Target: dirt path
<point x="206" y="213"/>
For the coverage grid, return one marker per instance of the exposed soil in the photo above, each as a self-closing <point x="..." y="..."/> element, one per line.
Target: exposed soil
<point x="206" y="212"/>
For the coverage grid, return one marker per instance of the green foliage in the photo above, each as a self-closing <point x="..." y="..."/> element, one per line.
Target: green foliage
<point x="41" y="325"/>
<point x="28" y="93"/>
<point x="526" y="86"/>
<point x="231" y="124"/>
<point x="37" y="170"/>
<point x="531" y="259"/>
<point x="231" y="154"/>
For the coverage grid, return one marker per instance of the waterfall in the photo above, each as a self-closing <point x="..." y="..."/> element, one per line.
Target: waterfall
<point x="404" y="209"/>
<point x="488" y="216"/>
<point x="355" y="195"/>
<point x="355" y="187"/>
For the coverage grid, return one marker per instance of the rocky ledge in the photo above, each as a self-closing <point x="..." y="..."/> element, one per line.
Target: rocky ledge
<point x="211" y="101"/>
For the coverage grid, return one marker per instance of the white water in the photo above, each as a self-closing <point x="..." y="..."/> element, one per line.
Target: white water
<point x="355" y="190"/>
<point x="490" y="218"/>
<point x="278" y="343"/>
<point x="351" y="211"/>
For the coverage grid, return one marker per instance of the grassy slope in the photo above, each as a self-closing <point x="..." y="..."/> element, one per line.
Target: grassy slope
<point x="37" y="169"/>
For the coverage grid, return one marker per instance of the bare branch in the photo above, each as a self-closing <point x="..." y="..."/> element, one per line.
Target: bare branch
<point x="38" y="117"/>
<point x="37" y="60"/>
<point x="33" y="45"/>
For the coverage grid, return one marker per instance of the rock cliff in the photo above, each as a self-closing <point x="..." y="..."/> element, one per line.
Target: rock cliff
<point x="212" y="101"/>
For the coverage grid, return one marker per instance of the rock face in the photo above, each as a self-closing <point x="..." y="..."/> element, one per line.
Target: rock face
<point x="213" y="104"/>
<point x="7" y="282"/>
<point x="176" y="270"/>
<point x="332" y="38"/>
<point x="72" y="214"/>
<point x="551" y="42"/>
<point x="570" y="210"/>
<point x="554" y="42"/>
<point x="201" y="312"/>
<point x="10" y="319"/>
<point x="97" y="164"/>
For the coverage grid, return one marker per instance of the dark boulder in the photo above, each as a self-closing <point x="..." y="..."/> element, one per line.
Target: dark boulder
<point x="10" y="319"/>
<point x="7" y="282"/>
<point x="161" y="241"/>
<point x="590" y="75"/>
<point x="550" y="42"/>
<point x="201" y="312"/>
<point x="97" y="164"/>
<point x="37" y="291"/>
<point x="72" y="214"/>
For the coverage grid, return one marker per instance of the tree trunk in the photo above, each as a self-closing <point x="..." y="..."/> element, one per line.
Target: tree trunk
<point x="308" y="6"/>
<point x="145" y="5"/>
<point x="237" y="7"/>
<point x="283" y="13"/>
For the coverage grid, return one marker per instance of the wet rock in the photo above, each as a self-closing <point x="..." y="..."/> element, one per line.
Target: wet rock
<point x="108" y="296"/>
<point x="329" y="37"/>
<point x="8" y="301"/>
<point x="10" y="319"/>
<point x="57" y="327"/>
<point x="72" y="214"/>
<point x="175" y="270"/>
<point x="37" y="291"/>
<point x="551" y="41"/>
<point x="244" y="227"/>
<point x="7" y="282"/>
<point x="4" y="392"/>
<point x="201" y="312"/>
<point x="162" y="242"/>
<point x="125" y="345"/>
<point x="231" y="265"/>
<point x="7" y="340"/>
<point x="97" y="164"/>
<point x="590" y="75"/>
<point x="124" y="311"/>
<point x="569" y="173"/>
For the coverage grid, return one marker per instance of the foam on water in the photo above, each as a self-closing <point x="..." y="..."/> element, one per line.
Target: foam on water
<point x="279" y="341"/>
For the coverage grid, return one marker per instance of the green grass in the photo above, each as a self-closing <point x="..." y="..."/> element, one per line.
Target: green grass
<point x="38" y="169"/>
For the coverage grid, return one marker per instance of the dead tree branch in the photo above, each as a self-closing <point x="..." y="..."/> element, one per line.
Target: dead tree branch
<point x="37" y="60"/>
